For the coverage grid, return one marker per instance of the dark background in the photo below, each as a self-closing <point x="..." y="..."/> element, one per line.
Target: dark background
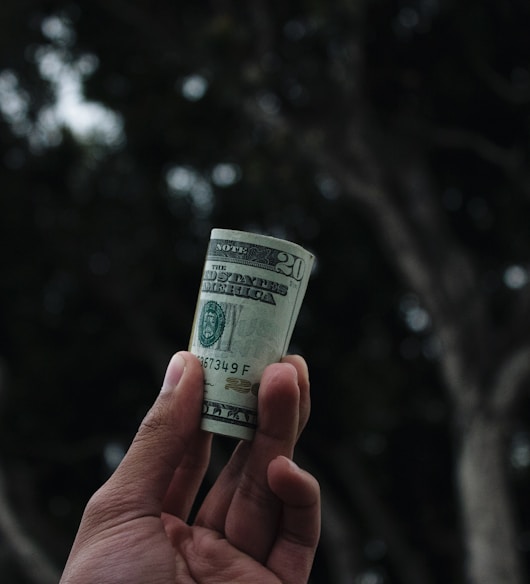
<point x="287" y="118"/>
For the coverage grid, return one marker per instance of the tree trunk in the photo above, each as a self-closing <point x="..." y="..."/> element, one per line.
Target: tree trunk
<point x="489" y="530"/>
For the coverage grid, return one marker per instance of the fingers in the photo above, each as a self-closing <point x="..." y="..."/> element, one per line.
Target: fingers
<point x="188" y="477"/>
<point x="293" y="552"/>
<point x="215" y="508"/>
<point x="164" y="441"/>
<point x="252" y="518"/>
<point x="302" y="371"/>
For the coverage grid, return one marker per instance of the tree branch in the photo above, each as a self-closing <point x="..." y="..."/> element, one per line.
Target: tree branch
<point x="511" y="381"/>
<point x="508" y="159"/>
<point x="506" y="90"/>
<point x="30" y="557"/>
<point x="445" y="281"/>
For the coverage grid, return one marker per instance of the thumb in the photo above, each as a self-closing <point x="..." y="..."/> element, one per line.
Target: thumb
<point x="144" y="475"/>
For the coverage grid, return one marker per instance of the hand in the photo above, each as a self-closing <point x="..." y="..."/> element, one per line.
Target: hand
<point x="259" y="523"/>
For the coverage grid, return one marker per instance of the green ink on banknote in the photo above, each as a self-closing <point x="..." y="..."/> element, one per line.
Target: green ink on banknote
<point x="211" y="323"/>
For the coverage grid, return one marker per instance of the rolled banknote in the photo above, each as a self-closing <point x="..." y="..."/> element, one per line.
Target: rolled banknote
<point x="251" y="292"/>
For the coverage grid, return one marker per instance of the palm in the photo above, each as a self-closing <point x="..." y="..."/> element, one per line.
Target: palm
<point x="204" y="556"/>
<point x="170" y="551"/>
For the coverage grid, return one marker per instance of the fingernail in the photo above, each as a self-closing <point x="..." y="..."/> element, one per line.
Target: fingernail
<point x="290" y="462"/>
<point x="174" y="372"/>
<point x="293" y="465"/>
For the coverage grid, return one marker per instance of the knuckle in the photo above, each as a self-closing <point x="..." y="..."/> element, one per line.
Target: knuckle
<point x="154" y="424"/>
<point x="98" y="506"/>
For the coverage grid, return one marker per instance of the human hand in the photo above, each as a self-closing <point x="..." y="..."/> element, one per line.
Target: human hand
<point x="259" y="523"/>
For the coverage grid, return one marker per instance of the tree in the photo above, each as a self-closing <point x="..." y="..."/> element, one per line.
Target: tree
<point x="389" y="137"/>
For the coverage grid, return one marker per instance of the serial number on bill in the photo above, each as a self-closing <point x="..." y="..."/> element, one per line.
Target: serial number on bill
<point x="222" y="365"/>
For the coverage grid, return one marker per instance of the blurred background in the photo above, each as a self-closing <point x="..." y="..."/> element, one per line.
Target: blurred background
<point x="388" y="137"/>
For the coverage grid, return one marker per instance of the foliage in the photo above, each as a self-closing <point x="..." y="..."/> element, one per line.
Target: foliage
<point x="261" y="116"/>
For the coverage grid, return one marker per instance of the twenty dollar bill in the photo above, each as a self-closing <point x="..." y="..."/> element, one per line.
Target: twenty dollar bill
<point x="251" y="292"/>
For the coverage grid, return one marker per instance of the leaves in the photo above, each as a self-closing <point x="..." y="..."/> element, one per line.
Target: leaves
<point x="389" y="138"/>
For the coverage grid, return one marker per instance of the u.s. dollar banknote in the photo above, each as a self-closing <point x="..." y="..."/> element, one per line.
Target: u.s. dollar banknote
<point x="251" y="292"/>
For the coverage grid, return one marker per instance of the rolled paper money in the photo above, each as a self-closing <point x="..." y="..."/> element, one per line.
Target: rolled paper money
<point x="251" y="292"/>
